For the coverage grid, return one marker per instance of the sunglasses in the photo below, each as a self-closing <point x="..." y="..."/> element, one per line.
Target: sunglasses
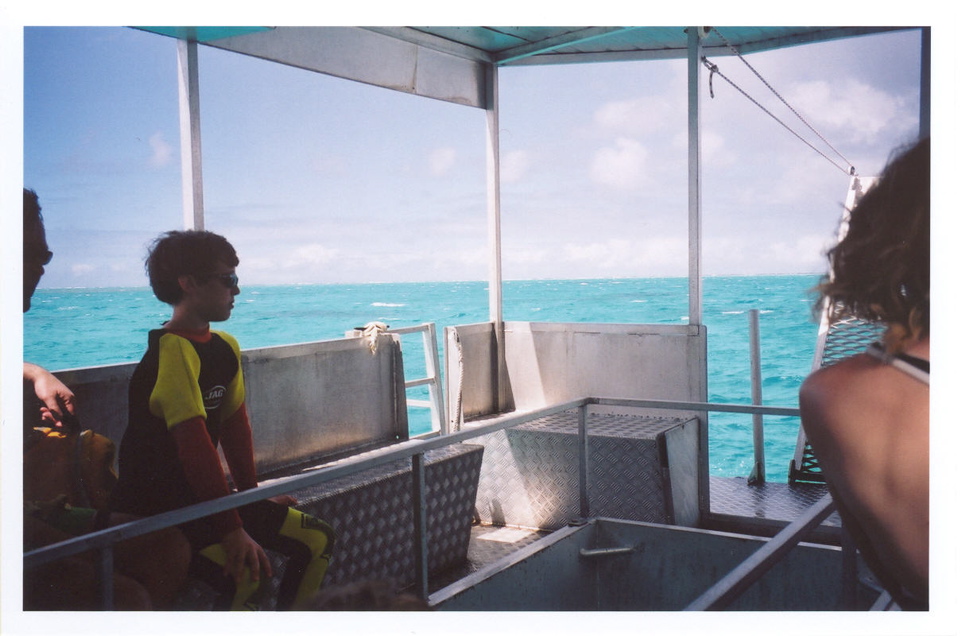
<point x="227" y="280"/>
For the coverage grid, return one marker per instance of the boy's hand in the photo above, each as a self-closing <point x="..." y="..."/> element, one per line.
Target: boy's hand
<point x="243" y="551"/>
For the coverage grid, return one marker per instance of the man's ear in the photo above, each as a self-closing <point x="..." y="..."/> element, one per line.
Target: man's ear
<point x="187" y="283"/>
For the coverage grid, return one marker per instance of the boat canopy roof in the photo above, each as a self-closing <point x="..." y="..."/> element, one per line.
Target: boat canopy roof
<point x="448" y="63"/>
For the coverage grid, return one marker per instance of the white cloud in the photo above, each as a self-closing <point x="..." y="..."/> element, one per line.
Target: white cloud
<point x="622" y="166"/>
<point x="328" y="165"/>
<point x="300" y="264"/>
<point x="714" y="149"/>
<point x="650" y="256"/>
<point x="161" y="151"/>
<point x="639" y="116"/>
<point x="442" y="160"/>
<point x="853" y="108"/>
<point x="82" y="269"/>
<point x="748" y="255"/>
<point x="514" y="166"/>
<point x="311" y="254"/>
<point x="523" y="255"/>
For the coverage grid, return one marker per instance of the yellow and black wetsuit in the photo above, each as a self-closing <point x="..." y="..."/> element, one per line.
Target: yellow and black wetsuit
<point x="186" y="398"/>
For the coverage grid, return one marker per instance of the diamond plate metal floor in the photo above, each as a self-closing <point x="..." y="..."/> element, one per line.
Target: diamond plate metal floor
<point x="488" y="544"/>
<point x="769" y="501"/>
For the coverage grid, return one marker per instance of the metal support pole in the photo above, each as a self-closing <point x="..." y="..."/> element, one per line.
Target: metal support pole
<point x="495" y="301"/>
<point x="849" y="571"/>
<point x="107" y="578"/>
<point x="583" y="461"/>
<point x="694" y="242"/>
<point x="758" y="427"/>
<point x="694" y="176"/>
<point x="925" y="81"/>
<point x="192" y="183"/>
<point x="419" y="510"/>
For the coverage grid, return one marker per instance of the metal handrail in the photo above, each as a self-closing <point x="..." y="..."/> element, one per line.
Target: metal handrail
<point x="312" y="477"/>
<point x="433" y="375"/>
<point x="103" y="540"/>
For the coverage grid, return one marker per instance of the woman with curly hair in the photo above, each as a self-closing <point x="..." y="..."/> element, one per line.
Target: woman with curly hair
<point x="867" y="417"/>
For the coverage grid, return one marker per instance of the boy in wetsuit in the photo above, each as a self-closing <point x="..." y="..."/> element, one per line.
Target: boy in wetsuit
<point x="186" y="398"/>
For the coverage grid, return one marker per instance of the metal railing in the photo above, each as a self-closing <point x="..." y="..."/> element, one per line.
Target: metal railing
<point x="732" y="585"/>
<point x="413" y="450"/>
<point x="432" y="378"/>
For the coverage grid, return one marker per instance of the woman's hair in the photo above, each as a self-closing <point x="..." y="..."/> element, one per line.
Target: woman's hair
<point x="177" y="253"/>
<point x="879" y="271"/>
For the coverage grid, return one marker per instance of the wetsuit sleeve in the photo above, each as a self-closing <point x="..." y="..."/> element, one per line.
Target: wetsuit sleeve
<point x="202" y="466"/>
<point x="237" y="440"/>
<point x="176" y="396"/>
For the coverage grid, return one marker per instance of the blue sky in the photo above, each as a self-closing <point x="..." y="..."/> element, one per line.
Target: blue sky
<point x="318" y="179"/>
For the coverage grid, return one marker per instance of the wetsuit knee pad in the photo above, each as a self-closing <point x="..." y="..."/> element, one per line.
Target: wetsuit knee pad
<point x="318" y="537"/>
<point x="243" y="591"/>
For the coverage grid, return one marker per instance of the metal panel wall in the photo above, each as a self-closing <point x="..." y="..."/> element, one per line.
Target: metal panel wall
<point x="305" y="401"/>
<point x="471" y="358"/>
<point x="549" y="363"/>
<point x="314" y="400"/>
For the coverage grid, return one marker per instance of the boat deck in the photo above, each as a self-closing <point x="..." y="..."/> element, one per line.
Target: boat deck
<point x="774" y="502"/>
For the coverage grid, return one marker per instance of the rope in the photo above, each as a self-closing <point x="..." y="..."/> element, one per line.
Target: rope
<point x="713" y="68"/>
<point x="458" y="411"/>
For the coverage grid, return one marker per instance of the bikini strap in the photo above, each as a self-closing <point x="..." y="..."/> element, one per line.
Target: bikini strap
<point x="903" y="364"/>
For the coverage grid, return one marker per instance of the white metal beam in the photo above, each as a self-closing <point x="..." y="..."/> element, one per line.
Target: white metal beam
<point x="694" y="177"/>
<point x="192" y="182"/>
<point x="495" y="300"/>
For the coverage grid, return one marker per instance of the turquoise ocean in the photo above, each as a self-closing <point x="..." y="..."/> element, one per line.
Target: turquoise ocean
<point x="71" y="328"/>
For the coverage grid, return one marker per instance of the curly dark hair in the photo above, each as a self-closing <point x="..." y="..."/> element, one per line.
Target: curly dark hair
<point x="180" y="253"/>
<point x="31" y="210"/>
<point x="879" y="271"/>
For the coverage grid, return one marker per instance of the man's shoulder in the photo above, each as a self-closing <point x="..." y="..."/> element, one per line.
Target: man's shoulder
<point x="228" y="338"/>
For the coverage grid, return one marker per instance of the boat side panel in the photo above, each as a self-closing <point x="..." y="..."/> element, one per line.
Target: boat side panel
<point x="310" y="402"/>
<point x="306" y="401"/>
<point x="549" y="363"/>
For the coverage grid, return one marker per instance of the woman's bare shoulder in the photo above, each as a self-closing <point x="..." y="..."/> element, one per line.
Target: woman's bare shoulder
<point x="858" y="390"/>
<point x="850" y="380"/>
